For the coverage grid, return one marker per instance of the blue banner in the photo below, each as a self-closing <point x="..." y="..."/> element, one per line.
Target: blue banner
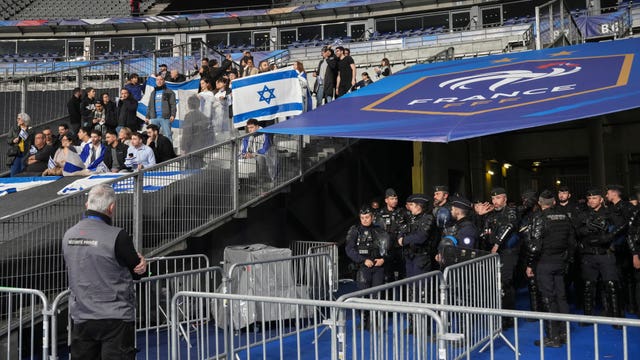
<point x="603" y="25"/>
<point x="464" y="99"/>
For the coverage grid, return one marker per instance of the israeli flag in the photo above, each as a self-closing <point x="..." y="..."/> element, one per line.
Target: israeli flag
<point x="183" y="91"/>
<point x="266" y="96"/>
<point x="51" y="164"/>
<point x="72" y="164"/>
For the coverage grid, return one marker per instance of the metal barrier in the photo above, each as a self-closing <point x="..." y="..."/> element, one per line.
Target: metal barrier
<point x="22" y="309"/>
<point x="318" y="247"/>
<point x="473" y="283"/>
<point x="555" y="26"/>
<point x="296" y="277"/>
<point x="153" y="296"/>
<point x="210" y="189"/>
<point x="287" y="338"/>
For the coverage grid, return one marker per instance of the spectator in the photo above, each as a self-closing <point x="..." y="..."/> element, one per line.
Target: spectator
<point x="161" y="110"/>
<point x="20" y="140"/>
<point x="87" y="106"/>
<point x="263" y="67"/>
<point x="124" y="136"/>
<point x="250" y="69"/>
<point x="326" y="74"/>
<point x="161" y="146"/>
<point x="304" y="84"/>
<point x="116" y="153"/>
<point x="246" y="55"/>
<point x="63" y="129"/>
<point x="258" y="146"/>
<point x="111" y="111"/>
<point x="50" y="139"/>
<point x="92" y="154"/>
<point x="73" y="107"/>
<point x="216" y="72"/>
<point x="139" y="155"/>
<point x="203" y="62"/>
<point x="127" y="112"/>
<point x="384" y="69"/>
<point x="134" y="87"/>
<point x="60" y="157"/>
<point x="84" y="137"/>
<point x="163" y="73"/>
<point x="366" y="80"/>
<point x="99" y="121"/>
<point x="102" y="300"/>
<point x="346" y="72"/>
<point x="197" y="128"/>
<point x="220" y="110"/>
<point x="175" y="76"/>
<point x="206" y="99"/>
<point x="38" y="157"/>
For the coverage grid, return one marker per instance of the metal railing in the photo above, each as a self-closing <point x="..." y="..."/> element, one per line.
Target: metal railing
<point x="213" y="187"/>
<point x="25" y="314"/>
<point x="555" y="26"/>
<point x="298" y="337"/>
<point x="520" y="33"/>
<point x="317" y="247"/>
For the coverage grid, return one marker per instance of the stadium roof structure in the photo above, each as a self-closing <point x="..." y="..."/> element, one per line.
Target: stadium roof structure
<point x="463" y="99"/>
<point x="207" y="20"/>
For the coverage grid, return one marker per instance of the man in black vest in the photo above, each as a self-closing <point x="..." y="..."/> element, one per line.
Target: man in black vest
<point x="101" y="263"/>
<point x="551" y="243"/>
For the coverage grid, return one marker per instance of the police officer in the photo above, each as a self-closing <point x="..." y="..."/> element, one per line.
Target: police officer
<point x="596" y="231"/>
<point x="101" y="263"/>
<point x="415" y="235"/>
<point x="415" y="239"/>
<point x="500" y="235"/>
<point x="367" y="245"/>
<point x="461" y="234"/>
<point x="526" y="211"/>
<point x="391" y="219"/>
<point x="441" y="206"/>
<point x="551" y="242"/>
<point x="574" y="275"/>
<point x="633" y="240"/>
<point x="622" y="211"/>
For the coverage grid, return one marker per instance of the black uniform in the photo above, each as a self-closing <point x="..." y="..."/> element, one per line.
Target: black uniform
<point x="367" y="243"/>
<point x="551" y="242"/>
<point x="500" y="228"/>
<point x="415" y="245"/>
<point x="526" y="212"/>
<point x="392" y="221"/>
<point x="622" y="213"/>
<point x="457" y="239"/>
<point x="596" y="231"/>
<point x="633" y="241"/>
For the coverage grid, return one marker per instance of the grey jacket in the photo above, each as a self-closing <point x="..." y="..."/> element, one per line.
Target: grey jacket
<point x="168" y="105"/>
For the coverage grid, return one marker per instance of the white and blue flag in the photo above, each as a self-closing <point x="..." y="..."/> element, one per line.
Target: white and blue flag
<point x="266" y="96"/>
<point x="183" y="91"/>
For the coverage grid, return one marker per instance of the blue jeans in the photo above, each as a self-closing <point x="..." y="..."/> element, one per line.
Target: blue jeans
<point x="165" y="127"/>
<point x="321" y="96"/>
<point x="17" y="165"/>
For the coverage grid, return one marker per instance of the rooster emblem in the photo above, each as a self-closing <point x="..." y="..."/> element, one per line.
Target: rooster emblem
<point x="507" y="77"/>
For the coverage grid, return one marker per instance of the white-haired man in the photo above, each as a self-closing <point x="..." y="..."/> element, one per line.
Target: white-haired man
<point x="101" y="262"/>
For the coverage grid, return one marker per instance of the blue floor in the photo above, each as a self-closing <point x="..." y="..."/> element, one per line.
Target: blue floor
<point x="582" y="343"/>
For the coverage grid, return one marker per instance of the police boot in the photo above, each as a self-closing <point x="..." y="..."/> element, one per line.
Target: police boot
<point x="534" y="296"/>
<point x="588" y="299"/>
<point x="632" y="295"/>
<point x="508" y="302"/>
<point x="551" y="327"/>
<point x="613" y="301"/>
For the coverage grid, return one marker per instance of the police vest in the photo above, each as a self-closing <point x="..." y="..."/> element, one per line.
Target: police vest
<point x="366" y="244"/>
<point x="100" y="287"/>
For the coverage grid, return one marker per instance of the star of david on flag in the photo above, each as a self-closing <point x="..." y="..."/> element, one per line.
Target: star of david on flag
<point x="267" y="96"/>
